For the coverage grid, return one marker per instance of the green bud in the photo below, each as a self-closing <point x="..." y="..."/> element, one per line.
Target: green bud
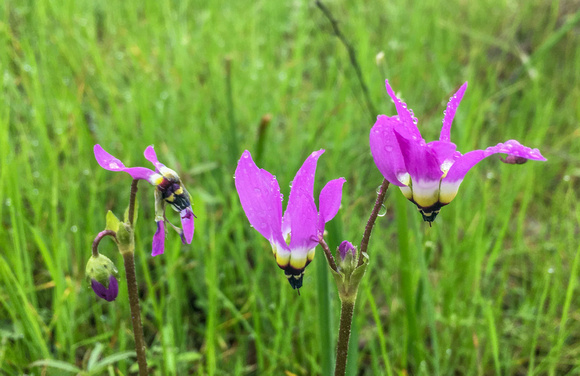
<point x="349" y="272"/>
<point x="100" y="268"/>
<point x="125" y="238"/>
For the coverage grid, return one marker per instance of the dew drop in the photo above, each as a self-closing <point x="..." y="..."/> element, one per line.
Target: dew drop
<point x="113" y="165"/>
<point x="74" y="228"/>
<point x="551" y="270"/>
<point x="382" y="211"/>
<point x="257" y="190"/>
<point x="388" y="149"/>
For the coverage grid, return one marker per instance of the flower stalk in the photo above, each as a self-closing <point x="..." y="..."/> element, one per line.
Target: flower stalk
<point x="348" y="275"/>
<point x="128" y="252"/>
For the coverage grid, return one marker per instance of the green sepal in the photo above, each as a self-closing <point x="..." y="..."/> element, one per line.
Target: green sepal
<point x="125" y="238"/>
<point x="348" y="280"/>
<point x="112" y="222"/>
<point x="100" y="268"/>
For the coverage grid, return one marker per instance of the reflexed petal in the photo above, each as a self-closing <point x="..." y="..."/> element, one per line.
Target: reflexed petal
<point x="304" y="184"/>
<point x="385" y="149"/>
<point x="259" y="194"/>
<point x="304" y="220"/>
<point x="108" y="293"/>
<point x="511" y="147"/>
<point x="159" y="239"/>
<point x="151" y="156"/>
<point x="329" y="201"/>
<point x="108" y="162"/>
<point x="187" y="224"/>
<point x="408" y="120"/>
<point x="451" y="182"/>
<point x="420" y="161"/>
<point x="450" y="113"/>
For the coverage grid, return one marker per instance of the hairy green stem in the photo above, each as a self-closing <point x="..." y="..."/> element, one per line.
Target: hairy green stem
<point x="346" y="312"/>
<point x="129" y="260"/>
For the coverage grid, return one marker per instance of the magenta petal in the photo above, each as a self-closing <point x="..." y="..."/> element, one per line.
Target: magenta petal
<point x="385" y="149"/>
<point x="151" y="156"/>
<point x="159" y="239"/>
<point x="259" y="194"/>
<point x="444" y="151"/>
<point x="408" y="120"/>
<point x="108" y="162"/>
<point x="450" y="113"/>
<point x="329" y="201"/>
<point x="466" y="162"/>
<point x="108" y="293"/>
<point x="303" y="183"/>
<point x="304" y="218"/>
<point x="421" y="161"/>
<point x="187" y="224"/>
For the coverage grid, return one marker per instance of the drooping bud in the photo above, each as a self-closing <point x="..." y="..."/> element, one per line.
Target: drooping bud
<point x="103" y="275"/>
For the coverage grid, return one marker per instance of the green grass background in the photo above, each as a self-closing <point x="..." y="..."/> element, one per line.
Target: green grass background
<point x="491" y="287"/>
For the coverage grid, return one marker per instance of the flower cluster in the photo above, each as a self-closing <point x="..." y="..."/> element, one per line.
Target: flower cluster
<point x="169" y="190"/>
<point x="429" y="174"/>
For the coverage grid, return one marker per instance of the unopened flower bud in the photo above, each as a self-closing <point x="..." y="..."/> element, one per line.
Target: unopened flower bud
<point x="103" y="275"/>
<point x="348" y="261"/>
<point x="346" y="247"/>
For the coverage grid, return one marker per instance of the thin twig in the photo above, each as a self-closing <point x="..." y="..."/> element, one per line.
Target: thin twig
<point x="328" y="254"/>
<point x="372" y="219"/>
<point x="352" y="57"/>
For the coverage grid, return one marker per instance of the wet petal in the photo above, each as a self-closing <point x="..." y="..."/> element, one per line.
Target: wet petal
<point x="329" y="201"/>
<point x="425" y="171"/>
<point x="450" y="113"/>
<point x="159" y="239"/>
<point x="304" y="219"/>
<point x="302" y="185"/>
<point x="385" y="149"/>
<point x="408" y="120"/>
<point x="259" y="194"/>
<point x="151" y="156"/>
<point x="450" y="184"/>
<point x="511" y="147"/>
<point x="420" y="161"/>
<point x="444" y="151"/>
<point x="187" y="224"/>
<point x="108" y="162"/>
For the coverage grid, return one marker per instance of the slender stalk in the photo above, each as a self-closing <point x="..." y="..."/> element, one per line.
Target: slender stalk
<point x="372" y="219"/>
<point x="328" y="254"/>
<point x="132" y="289"/>
<point x="346" y="312"/>
<point x="100" y="237"/>
<point x="132" y="202"/>
<point x="348" y="301"/>
<point x="129" y="260"/>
